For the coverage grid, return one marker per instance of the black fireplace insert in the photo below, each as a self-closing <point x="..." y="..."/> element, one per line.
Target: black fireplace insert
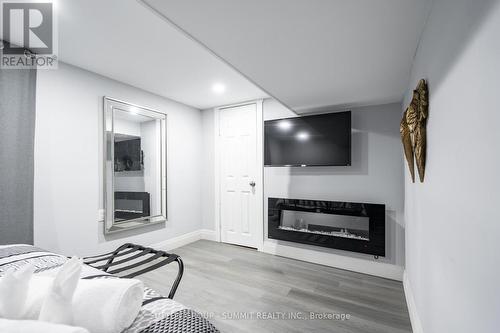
<point x="131" y="205"/>
<point x="351" y="226"/>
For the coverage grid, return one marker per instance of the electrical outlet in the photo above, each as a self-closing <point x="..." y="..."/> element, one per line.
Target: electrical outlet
<point x="100" y="215"/>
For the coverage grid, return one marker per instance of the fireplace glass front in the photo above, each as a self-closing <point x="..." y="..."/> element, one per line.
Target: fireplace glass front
<point x="354" y="227"/>
<point x="350" y="226"/>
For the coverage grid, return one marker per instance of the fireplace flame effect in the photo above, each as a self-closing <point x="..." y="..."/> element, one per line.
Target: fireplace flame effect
<point x="343" y="233"/>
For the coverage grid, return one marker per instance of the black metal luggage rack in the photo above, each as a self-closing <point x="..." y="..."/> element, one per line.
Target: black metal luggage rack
<point x="132" y="262"/>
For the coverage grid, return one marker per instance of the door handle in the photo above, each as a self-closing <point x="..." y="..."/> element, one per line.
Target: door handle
<point x="252" y="183"/>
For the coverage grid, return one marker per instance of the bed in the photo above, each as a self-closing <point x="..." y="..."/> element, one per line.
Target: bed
<point x="159" y="314"/>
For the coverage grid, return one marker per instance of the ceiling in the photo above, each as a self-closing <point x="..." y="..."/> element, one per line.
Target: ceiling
<point x="310" y="54"/>
<point x="126" y="41"/>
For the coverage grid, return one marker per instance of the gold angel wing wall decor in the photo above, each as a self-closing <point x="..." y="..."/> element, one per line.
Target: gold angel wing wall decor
<point x="413" y="130"/>
<point x="421" y="131"/>
<point x="407" y="146"/>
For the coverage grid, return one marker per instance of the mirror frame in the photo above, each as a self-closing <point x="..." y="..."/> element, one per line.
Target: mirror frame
<point x="109" y="107"/>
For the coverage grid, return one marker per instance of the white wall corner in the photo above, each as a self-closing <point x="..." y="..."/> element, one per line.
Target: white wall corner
<point x="208" y="234"/>
<point x="416" y="324"/>
<point x="380" y="269"/>
<point x="178" y="241"/>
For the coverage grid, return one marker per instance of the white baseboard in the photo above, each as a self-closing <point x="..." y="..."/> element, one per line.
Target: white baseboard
<point x="416" y="324"/>
<point x="208" y="234"/>
<point x="334" y="260"/>
<point x="185" y="239"/>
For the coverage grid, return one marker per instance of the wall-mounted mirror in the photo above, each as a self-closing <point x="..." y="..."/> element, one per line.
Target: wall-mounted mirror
<point x="134" y="166"/>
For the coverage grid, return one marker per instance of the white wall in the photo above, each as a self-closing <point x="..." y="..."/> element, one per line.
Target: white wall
<point x="127" y="127"/>
<point x="375" y="176"/>
<point x="68" y="163"/>
<point x="452" y="219"/>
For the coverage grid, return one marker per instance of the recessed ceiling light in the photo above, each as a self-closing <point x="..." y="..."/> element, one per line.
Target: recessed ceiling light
<point x="218" y="88"/>
<point x="303" y="136"/>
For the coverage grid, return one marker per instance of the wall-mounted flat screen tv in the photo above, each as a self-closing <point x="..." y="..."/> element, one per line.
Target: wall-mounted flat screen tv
<point x="128" y="153"/>
<point x="317" y="140"/>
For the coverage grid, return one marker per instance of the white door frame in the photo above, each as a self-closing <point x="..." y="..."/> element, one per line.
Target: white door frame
<point x="259" y="178"/>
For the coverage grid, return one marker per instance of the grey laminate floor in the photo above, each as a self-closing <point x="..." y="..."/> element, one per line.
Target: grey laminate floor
<point x="224" y="281"/>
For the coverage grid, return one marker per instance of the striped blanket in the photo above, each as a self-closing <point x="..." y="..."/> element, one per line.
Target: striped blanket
<point x="157" y="315"/>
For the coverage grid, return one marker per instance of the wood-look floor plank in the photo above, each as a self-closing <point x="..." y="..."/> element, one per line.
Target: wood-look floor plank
<point x="223" y="281"/>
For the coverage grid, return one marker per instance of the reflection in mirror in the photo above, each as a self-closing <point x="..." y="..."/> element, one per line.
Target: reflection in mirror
<point x="135" y="153"/>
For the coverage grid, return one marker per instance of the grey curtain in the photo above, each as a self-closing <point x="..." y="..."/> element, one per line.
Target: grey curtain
<point x="17" y="129"/>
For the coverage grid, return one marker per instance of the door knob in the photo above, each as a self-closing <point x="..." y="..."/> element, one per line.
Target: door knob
<point x="252" y="183"/>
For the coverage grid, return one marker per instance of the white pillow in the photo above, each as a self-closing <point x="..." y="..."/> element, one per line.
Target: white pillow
<point x="14" y="290"/>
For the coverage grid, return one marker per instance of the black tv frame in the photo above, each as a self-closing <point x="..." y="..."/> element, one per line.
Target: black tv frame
<point x="311" y="165"/>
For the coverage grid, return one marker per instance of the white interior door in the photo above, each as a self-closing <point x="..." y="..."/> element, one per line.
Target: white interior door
<point x="239" y="220"/>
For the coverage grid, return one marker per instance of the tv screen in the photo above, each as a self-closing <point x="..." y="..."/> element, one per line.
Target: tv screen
<point x="128" y="155"/>
<point x="318" y="140"/>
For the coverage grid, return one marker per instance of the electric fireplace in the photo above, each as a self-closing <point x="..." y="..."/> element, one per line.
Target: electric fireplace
<point x="351" y="226"/>
<point x="131" y="205"/>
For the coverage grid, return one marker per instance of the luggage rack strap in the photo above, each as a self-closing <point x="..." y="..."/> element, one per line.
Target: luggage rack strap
<point x="133" y="266"/>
